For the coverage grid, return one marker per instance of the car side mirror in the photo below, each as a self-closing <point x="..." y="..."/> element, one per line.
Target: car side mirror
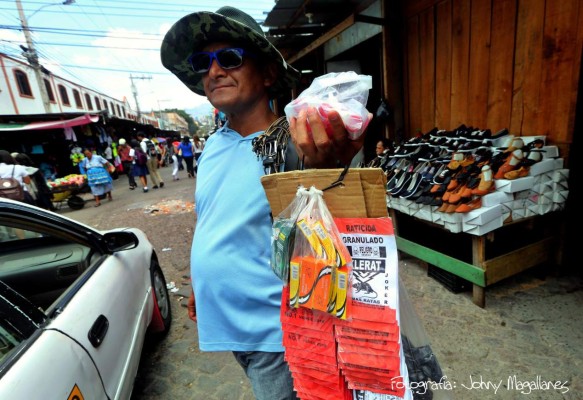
<point x="118" y="241"/>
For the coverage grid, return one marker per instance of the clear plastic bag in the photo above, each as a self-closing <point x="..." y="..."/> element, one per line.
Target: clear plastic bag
<point x="319" y="266"/>
<point x="345" y="92"/>
<point x="283" y="235"/>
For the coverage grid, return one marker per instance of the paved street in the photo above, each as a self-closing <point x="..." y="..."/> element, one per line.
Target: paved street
<point x="529" y="335"/>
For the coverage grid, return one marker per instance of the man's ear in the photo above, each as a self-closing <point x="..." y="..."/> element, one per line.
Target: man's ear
<point x="269" y="74"/>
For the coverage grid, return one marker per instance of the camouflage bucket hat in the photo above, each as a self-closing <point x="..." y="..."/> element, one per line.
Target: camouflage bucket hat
<point x="192" y="32"/>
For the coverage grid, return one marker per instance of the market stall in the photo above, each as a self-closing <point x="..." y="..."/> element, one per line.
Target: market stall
<point x="67" y="190"/>
<point x="494" y="210"/>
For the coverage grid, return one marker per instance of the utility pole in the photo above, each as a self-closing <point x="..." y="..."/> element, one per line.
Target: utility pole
<point x="33" y="59"/>
<point x="135" y="92"/>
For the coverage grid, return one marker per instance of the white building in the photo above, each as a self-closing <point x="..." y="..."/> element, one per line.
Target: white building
<point x="20" y="95"/>
<point x="74" y="117"/>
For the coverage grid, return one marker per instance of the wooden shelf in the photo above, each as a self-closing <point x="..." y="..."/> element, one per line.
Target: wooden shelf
<point x="482" y="260"/>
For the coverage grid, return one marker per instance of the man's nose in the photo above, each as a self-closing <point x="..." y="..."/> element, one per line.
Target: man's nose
<point x="215" y="68"/>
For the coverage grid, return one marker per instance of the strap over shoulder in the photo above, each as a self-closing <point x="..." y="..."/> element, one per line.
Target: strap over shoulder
<point x="274" y="148"/>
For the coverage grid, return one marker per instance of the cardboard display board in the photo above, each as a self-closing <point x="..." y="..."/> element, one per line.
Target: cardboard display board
<point x="362" y="194"/>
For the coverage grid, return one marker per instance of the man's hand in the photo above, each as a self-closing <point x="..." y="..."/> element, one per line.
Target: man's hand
<point x="191" y="306"/>
<point x="319" y="150"/>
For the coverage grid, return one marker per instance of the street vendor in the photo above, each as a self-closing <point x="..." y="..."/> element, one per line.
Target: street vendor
<point x="99" y="179"/>
<point x="226" y="57"/>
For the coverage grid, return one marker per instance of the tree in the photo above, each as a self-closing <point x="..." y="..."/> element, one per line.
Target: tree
<point x="192" y="126"/>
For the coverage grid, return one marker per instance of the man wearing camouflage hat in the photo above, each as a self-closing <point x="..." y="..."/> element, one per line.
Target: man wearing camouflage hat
<point x="226" y="57"/>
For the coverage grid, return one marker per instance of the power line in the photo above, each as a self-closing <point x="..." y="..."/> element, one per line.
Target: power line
<point x="124" y="60"/>
<point x="99" y="20"/>
<point x="210" y="5"/>
<point x="108" y="14"/>
<point x="126" y="8"/>
<point x="125" y="16"/>
<point x="113" y="69"/>
<point x="95" y="46"/>
<point x="74" y="32"/>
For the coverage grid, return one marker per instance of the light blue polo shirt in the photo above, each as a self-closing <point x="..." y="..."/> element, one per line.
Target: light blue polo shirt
<point x="238" y="296"/>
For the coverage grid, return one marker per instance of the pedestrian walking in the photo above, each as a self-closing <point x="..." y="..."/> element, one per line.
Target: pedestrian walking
<point x="98" y="171"/>
<point x="175" y="144"/>
<point x="151" y="150"/>
<point x="236" y="296"/>
<point x="126" y="161"/>
<point x="175" y="167"/>
<point x="198" y="147"/>
<point x="186" y="150"/>
<point x="139" y="164"/>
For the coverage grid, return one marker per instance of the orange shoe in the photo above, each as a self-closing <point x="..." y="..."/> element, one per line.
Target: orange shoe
<point x="510" y="164"/>
<point x="466" y="192"/>
<point x="468" y="160"/>
<point x="445" y="196"/>
<point x="443" y="207"/>
<point x="456" y="159"/>
<point x="486" y="184"/>
<point x="472" y="205"/>
<point x="517" y="173"/>
<point x="456" y="196"/>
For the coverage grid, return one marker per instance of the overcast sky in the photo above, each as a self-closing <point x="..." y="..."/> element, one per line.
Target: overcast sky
<point x="100" y="43"/>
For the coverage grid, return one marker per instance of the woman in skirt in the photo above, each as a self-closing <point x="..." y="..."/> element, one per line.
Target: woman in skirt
<point x="97" y="169"/>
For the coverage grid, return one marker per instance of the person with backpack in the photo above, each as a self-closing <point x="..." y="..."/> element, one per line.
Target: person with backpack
<point x="41" y="192"/>
<point x="151" y="150"/>
<point x="126" y="161"/>
<point x="10" y="169"/>
<point x="139" y="163"/>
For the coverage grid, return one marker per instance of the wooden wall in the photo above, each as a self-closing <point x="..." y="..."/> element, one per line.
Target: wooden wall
<point x="493" y="64"/>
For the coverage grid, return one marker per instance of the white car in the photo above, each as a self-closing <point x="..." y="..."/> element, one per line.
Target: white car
<point x="75" y="306"/>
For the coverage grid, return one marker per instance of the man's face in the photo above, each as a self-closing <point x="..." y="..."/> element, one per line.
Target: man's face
<point x="380" y="148"/>
<point x="234" y="90"/>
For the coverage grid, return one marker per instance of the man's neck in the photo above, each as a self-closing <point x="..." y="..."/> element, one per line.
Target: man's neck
<point x="248" y="123"/>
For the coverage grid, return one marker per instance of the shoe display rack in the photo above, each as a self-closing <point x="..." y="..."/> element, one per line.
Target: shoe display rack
<point x="479" y="205"/>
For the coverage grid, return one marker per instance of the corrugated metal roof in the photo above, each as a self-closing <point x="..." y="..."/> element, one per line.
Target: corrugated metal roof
<point x="294" y="24"/>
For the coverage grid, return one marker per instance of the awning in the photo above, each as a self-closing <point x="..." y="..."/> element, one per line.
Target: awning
<point x="26" y="126"/>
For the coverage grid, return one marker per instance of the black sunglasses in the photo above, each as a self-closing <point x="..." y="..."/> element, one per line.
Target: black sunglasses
<point x="228" y="58"/>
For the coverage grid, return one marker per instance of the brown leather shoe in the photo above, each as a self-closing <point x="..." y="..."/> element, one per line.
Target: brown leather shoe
<point x="468" y="160"/>
<point x="510" y="164"/>
<point x="456" y="196"/>
<point x="472" y="205"/>
<point x="486" y="184"/>
<point x="466" y="192"/>
<point x="443" y="207"/>
<point x="517" y="173"/>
